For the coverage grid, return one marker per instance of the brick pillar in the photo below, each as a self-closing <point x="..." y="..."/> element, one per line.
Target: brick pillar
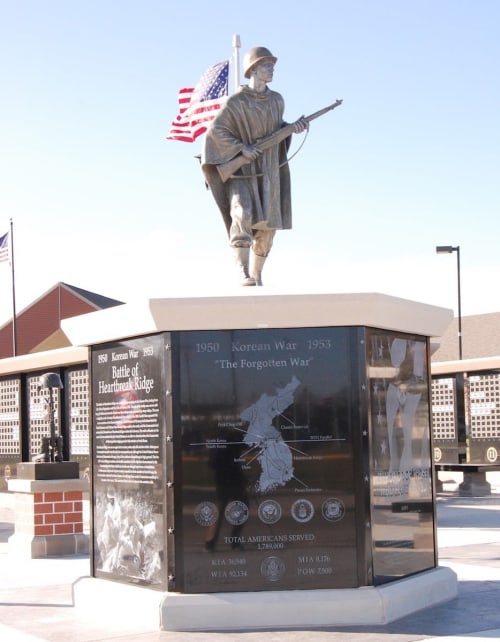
<point x="48" y="517"/>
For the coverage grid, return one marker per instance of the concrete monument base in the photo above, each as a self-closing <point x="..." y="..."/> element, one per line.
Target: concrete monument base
<point x="346" y="348"/>
<point x="40" y="546"/>
<point x="267" y="609"/>
<point x="474" y="485"/>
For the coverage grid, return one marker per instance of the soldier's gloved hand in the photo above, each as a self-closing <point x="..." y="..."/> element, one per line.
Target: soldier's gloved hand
<point x="300" y="125"/>
<point x="250" y="152"/>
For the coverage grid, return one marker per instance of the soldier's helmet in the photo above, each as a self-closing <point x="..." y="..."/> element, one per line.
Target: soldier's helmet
<point x="255" y="55"/>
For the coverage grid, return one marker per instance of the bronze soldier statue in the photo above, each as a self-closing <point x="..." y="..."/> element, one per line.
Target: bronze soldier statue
<point x="255" y="199"/>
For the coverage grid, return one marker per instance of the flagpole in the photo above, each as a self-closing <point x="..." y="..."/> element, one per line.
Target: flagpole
<point x="14" y="324"/>
<point x="236" y="59"/>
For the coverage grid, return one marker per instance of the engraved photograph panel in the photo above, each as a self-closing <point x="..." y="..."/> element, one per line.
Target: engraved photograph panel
<point x="401" y="464"/>
<point x="128" y="413"/>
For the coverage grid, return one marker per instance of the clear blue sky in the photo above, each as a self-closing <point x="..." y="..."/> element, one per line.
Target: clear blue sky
<point x="101" y="200"/>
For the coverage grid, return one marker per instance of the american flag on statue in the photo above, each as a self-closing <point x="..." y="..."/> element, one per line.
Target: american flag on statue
<point x="4" y="247"/>
<point x="198" y="106"/>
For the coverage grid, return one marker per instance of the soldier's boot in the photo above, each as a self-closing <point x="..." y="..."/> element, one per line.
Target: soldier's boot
<point x="44" y="454"/>
<point x="256" y="265"/>
<point x="242" y="257"/>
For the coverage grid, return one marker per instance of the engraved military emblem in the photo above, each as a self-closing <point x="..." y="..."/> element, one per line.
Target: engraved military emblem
<point x="206" y="514"/>
<point x="333" y="509"/>
<point x="302" y="510"/>
<point x="491" y="454"/>
<point x="236" y="513"/>
<point x="272" y="568"/>
<point x="269" y="511"/>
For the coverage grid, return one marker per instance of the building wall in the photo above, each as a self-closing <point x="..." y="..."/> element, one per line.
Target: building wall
<point x="42" y="320"/>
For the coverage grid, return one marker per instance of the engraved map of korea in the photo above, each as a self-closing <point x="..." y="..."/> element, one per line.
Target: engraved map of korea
<point x="275" y="456"/>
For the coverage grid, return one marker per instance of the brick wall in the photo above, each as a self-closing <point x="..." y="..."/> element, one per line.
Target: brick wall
<point x="49" y="513"/>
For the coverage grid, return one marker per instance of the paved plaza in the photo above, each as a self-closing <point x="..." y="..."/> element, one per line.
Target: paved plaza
<point x="36" y="596"/>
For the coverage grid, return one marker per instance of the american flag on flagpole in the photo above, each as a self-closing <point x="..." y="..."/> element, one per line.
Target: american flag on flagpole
<point x="198" y="106"/>
<point x="4" y="247"/>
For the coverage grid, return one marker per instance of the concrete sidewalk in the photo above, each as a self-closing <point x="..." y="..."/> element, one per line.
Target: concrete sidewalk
<point x="36" y="596"/>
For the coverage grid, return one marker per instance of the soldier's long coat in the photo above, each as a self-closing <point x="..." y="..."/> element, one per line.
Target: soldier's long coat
<point x="247" y="117"/>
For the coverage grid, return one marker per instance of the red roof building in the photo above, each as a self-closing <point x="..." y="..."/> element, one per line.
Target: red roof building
<point x="38" y="327"/>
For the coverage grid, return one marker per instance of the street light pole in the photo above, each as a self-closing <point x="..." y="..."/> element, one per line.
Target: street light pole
<point x="448" y="249"/>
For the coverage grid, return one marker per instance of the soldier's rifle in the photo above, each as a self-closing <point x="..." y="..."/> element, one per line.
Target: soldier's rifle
<point x="226" y="170"/>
